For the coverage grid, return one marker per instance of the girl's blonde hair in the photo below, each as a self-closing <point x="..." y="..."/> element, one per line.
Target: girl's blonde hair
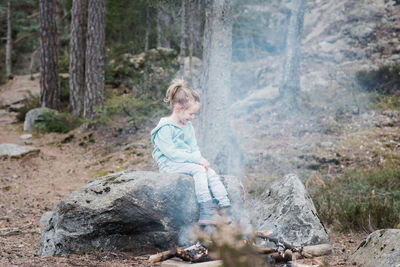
<point x="177" y="93"/>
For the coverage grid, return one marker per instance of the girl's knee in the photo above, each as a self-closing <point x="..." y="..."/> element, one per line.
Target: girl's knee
<point x="211" y="172"/>
<point x="197" y="169"/>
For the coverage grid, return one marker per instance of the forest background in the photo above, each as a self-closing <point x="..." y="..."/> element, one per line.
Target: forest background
<point x="343" y="141"/>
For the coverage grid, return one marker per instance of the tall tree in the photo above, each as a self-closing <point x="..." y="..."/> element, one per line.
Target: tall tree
<point x="216" y="138"/>
<point x="183" y="38"/>
<point x="9" y="42"/>
<point x="163" y="22"/>
<point x="147" y="34"/>
<point x="95" y="56"/>
<point x="191" y="33"/>
<point x="290" y="85"/>
<point x="49" y="90"/>
<point x="77" y="46"/>
<point x="58" y="23"/>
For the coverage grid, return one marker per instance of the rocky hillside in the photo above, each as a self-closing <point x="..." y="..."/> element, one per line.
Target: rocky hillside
<point x="340" y="38"/>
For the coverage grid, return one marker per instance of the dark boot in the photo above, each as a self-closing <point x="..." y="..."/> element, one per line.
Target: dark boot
<point x="227" y="213"/>
<point x="207" y="212"/>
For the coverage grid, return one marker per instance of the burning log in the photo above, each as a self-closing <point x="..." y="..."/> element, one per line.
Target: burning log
<point x="265" y="235"/>
<point x="195" y="253"/>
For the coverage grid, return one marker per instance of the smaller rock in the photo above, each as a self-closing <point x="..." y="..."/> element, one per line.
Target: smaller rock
<point x="25" y="136"/>
<point x="45" y="218"/>
<point x="16" y="151"/>
<point x="34" y="116"/>
<point x="381" y="248"/>
<point x="326" y="144"/>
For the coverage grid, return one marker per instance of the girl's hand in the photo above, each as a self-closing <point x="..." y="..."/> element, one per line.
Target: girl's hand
<point x="204" y="163"/>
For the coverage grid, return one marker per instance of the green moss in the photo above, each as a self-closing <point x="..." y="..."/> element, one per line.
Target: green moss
<point x="98" y="173"/>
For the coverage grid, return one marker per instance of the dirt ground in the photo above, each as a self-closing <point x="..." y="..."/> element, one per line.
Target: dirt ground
<point x="36" y="183"/>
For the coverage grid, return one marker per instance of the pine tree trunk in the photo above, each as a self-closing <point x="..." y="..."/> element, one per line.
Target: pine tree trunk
<point x="95" y="56"/>
<point x="183" y="37"/>
<point x="159" y="32"/>
<point x="77" y="47"/>
<point x="216" y="139"/>
<point x="9" y="42"/>
<point x="197" y="20"/>
<point x="49" y="90"/>
<point x="146" y="37"/>
<point x="290" y="85"/>
<point x="58" y="24"/>
<point x="163" y="24"/>
<point x="190" y="78"/>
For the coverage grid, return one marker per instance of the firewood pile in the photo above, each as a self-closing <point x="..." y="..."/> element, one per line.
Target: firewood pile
<point x="283" y="252"/>
<point x="287" y="252"/>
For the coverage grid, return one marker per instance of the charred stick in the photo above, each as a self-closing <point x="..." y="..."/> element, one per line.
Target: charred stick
<point x="162" y="256"/>
<point x="275" y="240"/>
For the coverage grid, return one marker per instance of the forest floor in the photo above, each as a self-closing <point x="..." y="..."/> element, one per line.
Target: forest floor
<point x="36" y="183"/>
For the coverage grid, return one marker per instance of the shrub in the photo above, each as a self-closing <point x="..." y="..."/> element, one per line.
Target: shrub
<point x="386" y="79"/>
<point x="30" y="102"/>
<point x="138" y="109"/>
<point x="361" y="200"/>
<point x="391" y="102"/>
<point x="63" y="63"/>
<point x="58" y="122"/>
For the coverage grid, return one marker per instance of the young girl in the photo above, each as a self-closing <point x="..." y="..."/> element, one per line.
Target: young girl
<point x="176" y="151"/>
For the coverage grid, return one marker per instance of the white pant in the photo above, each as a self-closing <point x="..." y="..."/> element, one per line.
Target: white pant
<point x="203" y="181"/>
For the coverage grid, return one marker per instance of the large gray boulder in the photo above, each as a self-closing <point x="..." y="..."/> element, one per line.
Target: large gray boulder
<point x="34" y="116"/>
<point x="287" y="209"/>
<point x="380" y="248"/>
<point x="133" y="210"/>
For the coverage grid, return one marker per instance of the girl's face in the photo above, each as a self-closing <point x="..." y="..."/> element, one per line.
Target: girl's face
<point x="187" y="114"/>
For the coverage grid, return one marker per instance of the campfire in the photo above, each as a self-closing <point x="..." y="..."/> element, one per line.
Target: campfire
<point x="284" y="252"/>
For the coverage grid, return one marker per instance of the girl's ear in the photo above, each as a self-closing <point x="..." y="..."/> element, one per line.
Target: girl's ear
<point x="178" y="107"/>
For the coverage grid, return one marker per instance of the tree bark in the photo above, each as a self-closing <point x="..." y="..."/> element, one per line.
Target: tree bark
<point x="9" y="42"/>
<point x="163" y="24"/>
<point x="58" y="24"/>
<point x="49" y="90"/>
<point x="146" y="37"/>
<point x="77" y="47"/>
<point x="217" y="140"/>
<point x="290" y="85"/>
<point x="183" y="37"/>
<point x="159" y="32"/>
<point x="95" y="54"/>
<point x="191" y="29"/>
